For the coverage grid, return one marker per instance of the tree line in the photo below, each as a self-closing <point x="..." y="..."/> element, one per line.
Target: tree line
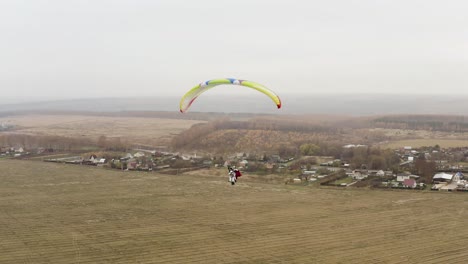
<point x="423" y="122"/>
<point x="61" y="143"/>
<point x="263" y="134"/>
<point x="41" y="141"/>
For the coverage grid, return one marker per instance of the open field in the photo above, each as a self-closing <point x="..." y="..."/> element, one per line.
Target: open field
<point x="52" y="213"/>
<point x="416" y="143"/>
<point x="422" y="138"/>
<point x="137" y="129"/>
<point x="154" y="131"/>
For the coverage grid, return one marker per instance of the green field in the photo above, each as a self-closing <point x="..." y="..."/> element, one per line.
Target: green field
<point x="346" y="180"/>
<point x="53" y="213"/>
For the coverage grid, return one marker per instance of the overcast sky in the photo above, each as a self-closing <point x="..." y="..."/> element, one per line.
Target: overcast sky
<point x="104" y="48"/>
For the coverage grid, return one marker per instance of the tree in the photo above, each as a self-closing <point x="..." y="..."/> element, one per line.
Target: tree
<point x="287" y="151"/>
<point x="425" y="169"/>
<point x="309" y="149"/>
<point x="360" y="156"/>
<point x="377" y="162"/>
<point x="218" y="160"/>
<point x="306" y="162"/>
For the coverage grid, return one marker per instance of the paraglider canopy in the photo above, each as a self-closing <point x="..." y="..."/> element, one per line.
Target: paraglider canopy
<point x="196" y="91"/>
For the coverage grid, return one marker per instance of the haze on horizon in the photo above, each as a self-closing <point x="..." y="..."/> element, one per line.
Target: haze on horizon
<point x="84" y="49"/>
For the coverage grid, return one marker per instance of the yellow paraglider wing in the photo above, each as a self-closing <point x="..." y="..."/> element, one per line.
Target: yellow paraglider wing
<point x="196" y="91"/>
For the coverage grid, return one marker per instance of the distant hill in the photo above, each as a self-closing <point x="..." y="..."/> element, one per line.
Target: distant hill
<point x="347" y="104"/>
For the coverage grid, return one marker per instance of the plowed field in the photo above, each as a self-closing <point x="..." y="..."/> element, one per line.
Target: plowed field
<point x="53" y="213"/>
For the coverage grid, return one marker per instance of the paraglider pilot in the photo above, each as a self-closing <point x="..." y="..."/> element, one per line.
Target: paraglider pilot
<point x="233" y="174"/>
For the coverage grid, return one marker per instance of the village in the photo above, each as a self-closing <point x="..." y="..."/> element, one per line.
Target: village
<point x="4" y="126"/>
<point x="431" y="168"/>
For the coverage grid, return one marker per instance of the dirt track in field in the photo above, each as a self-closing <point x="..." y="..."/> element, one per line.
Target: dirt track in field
<point x="52" y="213"/>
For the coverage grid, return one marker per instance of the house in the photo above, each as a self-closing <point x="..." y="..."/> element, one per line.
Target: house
<point x="40" y="150"/>
<point x="354" y="146"/>
<point x="244" y="163"/>
<point x="93" y="158"/>
<point x="458" y="176"/>
<point x="334" y="169"/>
<point x="359" y="175"/>
<point x="378" y="173"/>
<point x="132" y="164"/>
<point x="406" y="164"/>
<point x="139" y="154"/>
<point x="127" y="156"/>
<point x="207" y="162"/>
<point x="411" y="183"/>
<point x="309" y="172"/>
<point x="19" y="150"/>
<point x="240" y="155"/>
<point x="442" y="177"/>
<point x="402" y="177"/>
<point x="4" y="149"/>
<point x="275" y="158"/>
